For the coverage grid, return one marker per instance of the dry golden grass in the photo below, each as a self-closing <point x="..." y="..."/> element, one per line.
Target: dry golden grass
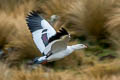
<point x="98" y="72"/>
<point x="8" y="15"/>
<point x="89" y="20"/>
<point x="104" y="69"/>
<point x="18" y="6"/>
<point x="56" y="6"/>
<point x="14" y="32"/>
<point x="6" y="29"/>
<point x="79" y="16"/>
<point x="21" y="43"/>
<point x="113" y="25"/>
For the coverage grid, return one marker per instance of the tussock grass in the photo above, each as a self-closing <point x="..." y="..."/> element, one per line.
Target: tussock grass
<point x="16" y="6"/>
<point x="107" y="69"/>
<point x="6" y="29"/>
<point x="79" y="16"/>
<point x="89" y="20"/>
<point x="113" y="25"/>
<point x="98" y="72"/>
<point x="22" y="43"/>
<point x="56" y="6"/>
<point x="8" y="15"/>
<point x="15" y="37"/>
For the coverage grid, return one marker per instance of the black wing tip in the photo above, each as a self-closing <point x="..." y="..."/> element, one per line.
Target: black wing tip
<point x="58" y="35"/>
<point x="32" y="14"/>
<point x="33" y="21"/>
<point x="63" y="31"/>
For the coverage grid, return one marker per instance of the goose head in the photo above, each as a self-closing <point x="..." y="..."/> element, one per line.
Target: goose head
<point x="79" y="46"/>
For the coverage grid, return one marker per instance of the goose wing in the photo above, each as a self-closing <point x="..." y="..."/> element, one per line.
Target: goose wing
<point x="61" y="44"/>
<point x="58" y="44"/>
<point x="41" y="30"/>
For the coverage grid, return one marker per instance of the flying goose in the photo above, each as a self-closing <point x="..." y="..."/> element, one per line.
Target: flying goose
<point x="52" y="44"/>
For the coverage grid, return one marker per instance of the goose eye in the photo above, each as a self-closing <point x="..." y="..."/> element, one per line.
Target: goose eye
<point x="82" y="45"/>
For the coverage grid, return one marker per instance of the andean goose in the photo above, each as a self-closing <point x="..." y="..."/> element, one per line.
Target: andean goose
<point x="52" y="44"/>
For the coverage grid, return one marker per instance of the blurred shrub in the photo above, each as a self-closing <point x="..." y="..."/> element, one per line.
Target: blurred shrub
<point x="79" y="16"/>
<point x="21" y="43"/>
<point x="6" y="29"/>
<point x="113" y="25"/>
<point x="15" y="37"/>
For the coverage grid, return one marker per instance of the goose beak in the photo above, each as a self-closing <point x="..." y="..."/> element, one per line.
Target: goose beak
<point x="86" y="46"/>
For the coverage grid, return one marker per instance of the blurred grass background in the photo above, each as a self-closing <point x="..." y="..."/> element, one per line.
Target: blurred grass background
<point x="95" y="23"/>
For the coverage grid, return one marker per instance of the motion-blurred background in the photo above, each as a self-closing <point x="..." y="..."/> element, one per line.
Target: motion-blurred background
<point x="95" y="23"/>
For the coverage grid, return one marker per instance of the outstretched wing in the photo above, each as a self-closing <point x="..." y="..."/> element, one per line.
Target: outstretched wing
<point x="57" y="45"/>
<point x="61" y="44"/>
<point x="41" y="30"/>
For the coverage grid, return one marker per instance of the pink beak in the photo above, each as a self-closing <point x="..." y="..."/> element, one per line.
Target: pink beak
<point x="86" y="46"/>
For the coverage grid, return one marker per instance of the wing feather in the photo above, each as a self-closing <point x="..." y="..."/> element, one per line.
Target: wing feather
<point x="59" y="34"/>
<point x="57" y="45"/>
<point x="34" y="21"/>
<point x="41" y="30"/>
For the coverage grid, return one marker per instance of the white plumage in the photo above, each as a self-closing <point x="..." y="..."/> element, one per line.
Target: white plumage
<point x="52" y="44"/>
